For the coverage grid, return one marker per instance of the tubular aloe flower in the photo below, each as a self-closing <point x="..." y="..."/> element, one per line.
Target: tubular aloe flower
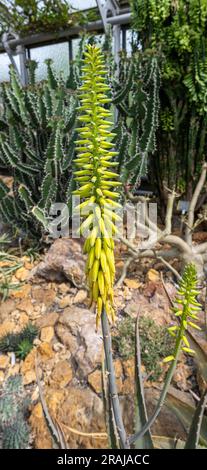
<point x="187" y="309"/>
<point x="97" y="181"/>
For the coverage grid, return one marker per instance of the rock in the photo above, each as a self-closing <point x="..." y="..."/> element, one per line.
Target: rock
<point x="44" y="296"/>
<point x="83" y="411"/>
<point x="62" y="374"/>
<point x="1" y="376"/>
<point x="58" y="347"/>
<point x="42" y="437"/>
<point x="132" y="309"/>
<point x="37" y="342"/>
<point x="64" y="288"/>
<point x="4" y="361"/>
<point x="46" y="352"/>
<point x="64" y="260"/>
<point x="46" y="320"/>
<point x="129" y="374"/>
<point x="22" y="274"/>
<point x="76" y="330"/>
<point x="47" y="334"/>
<point x="119" y="374"/>
<point x="35" y="395"/>
<point x="23" y="320"/>
<point x="6" y="308"/>
<point x="153" y="275"/>
<point x="95" y="380"/>
<point x="181" y="375"/>
<point x="7" y="327"/>
<point x="26" y="306"/>
<point x="22" y="293"/>
<point x="29" y="377"/>
<point x="161" y="314"/>
<point x="65" y="302"/>
<point x="80" y="297"/>
<point x="29" y="363"/>
<point x="132" y="283"/>
<point x="54" y="398"/>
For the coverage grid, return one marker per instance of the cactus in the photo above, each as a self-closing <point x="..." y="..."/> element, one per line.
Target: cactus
<point x="14" y="404"/>
<point x="21" y="343"/>
<point x="36" y="146"/>
<point x="136" y="96"/>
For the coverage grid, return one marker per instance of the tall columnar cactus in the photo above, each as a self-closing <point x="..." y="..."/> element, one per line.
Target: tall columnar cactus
<point x="136" y="96"/>
<point x="96" y="180"/>
<point x="36" y="146"/>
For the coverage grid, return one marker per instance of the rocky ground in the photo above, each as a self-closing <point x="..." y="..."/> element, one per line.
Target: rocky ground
<point x="53" y="296"/>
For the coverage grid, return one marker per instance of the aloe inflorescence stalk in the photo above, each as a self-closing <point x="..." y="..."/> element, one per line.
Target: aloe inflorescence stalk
<point x="186" y="309"/>
<point x="96" y="181"/>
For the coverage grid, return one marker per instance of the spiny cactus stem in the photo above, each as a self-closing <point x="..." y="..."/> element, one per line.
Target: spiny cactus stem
<point x="112" y="382"/>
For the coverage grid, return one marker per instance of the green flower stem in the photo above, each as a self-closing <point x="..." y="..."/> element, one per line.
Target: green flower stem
<point x="189" y="308"/>
<point x="161" y="400"/>
<point x="112" y="382"/>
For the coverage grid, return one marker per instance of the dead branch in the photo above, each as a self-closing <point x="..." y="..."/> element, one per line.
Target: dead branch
<point x="191" y="211"/>
<point x="183" y="249"/>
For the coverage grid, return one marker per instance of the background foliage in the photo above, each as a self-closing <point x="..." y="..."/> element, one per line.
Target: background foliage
<point x="175" y="31"/>
<point x="136" y="97"/>
<point x="36" y="146"/>
<point x="33" y="16"/>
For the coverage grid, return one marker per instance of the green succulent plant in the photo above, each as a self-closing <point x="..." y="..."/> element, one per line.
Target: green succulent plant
<point x="24" y="348"/>
<point x="14" y="402"/>
<point x="37" y="146"/>
<point x="21" y="343"/>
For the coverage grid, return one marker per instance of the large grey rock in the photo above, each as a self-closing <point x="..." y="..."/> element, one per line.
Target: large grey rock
<point x="76" y="330"/>
<point x="64" y="260"/>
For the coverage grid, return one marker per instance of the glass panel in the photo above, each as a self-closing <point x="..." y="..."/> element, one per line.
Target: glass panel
<point x="75" y="47"/>
<point x="4" y="66"/>
<point x="100" y="38"/>
<point x="129" y="34"/>
<point x="83" y="4"/>
<point x="57" y="52"/>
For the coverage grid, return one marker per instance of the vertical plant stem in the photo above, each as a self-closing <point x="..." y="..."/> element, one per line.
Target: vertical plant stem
<point x="160" y="403"/>
<point x="112" y="382"/>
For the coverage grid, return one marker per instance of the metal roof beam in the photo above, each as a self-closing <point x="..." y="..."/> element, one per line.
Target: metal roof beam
<point x="41" y="38"/>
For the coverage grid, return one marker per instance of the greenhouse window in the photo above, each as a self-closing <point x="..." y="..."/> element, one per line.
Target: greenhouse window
<point x="59" y="53"/>
<point x="5" y="62"/>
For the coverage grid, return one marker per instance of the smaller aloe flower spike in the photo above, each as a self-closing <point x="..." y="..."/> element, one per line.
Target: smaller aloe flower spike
<point x="186" y="310"/>
<point x="96" y="180"/>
